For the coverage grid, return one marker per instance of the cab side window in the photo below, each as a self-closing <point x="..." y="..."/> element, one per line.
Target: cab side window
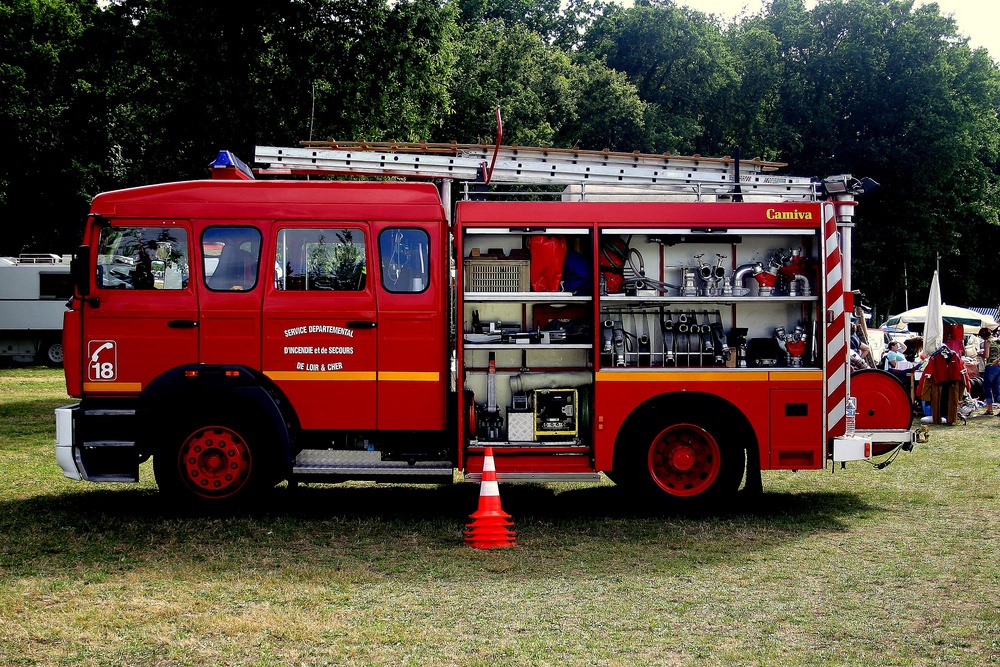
<point x="146" y="258"/>
<point x="320" y="259"/>
<point x="231" y="256"/>
<point x="403" y="256"/>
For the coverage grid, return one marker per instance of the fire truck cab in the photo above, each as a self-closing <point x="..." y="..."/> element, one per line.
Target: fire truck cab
<point x="243" y="332"/>
<point x="262" y="315"/>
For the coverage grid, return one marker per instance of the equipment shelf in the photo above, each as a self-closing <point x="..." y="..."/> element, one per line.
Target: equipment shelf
<point x="722" y="300"/>
<point x="529" y="346"/>
<point x="526" y="297"/>
<point x="490" y="367"/>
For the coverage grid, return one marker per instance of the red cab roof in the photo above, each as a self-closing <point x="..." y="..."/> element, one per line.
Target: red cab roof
<point x="304" y="200"/>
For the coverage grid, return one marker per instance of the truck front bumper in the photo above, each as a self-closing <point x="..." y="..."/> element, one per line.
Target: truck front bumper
<point x="96" y="444"/>
<point x="65" y="430"/>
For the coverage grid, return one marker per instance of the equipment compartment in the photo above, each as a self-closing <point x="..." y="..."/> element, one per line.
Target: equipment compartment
<point x="739" y="299"/>
<point x="513" y="340"/>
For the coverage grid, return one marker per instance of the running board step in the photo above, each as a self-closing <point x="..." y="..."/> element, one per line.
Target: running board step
<point x="531" y="447"/>
<point x="108" y="443"/>
<point x="538" y="477"/>
<point x="109" y="412"/>
<point x="339" y="465"/>
<point x="112" y="478"/>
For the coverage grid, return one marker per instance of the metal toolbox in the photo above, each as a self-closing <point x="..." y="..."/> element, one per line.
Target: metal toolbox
<point x="520" y="426"/>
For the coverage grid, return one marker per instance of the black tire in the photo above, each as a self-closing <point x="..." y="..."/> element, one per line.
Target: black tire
<point x="217" y="461"/>
<point x="51" y="354"/>
<point x="681" y="458"/>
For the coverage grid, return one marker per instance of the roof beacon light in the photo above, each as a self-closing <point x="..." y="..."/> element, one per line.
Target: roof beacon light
<point x="229" y="167"/>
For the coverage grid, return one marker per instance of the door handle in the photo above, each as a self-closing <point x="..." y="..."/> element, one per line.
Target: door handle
<point x="361" y="324"/>
<point x="182" y="324"/>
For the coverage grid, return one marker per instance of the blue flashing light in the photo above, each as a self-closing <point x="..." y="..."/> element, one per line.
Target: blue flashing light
<point x="226" y="159"/>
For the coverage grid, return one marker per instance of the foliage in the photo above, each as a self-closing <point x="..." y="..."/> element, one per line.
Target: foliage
<point x="46" y="176"/>
<point x="509" y="66"/>
<point x="922" y="121"/>
<point x="336" y="266"/>
<point x="97" y="96"/>
<point x="547" y="96"/>
<point x="678" y="61"/>
<point x="212" y="78"/>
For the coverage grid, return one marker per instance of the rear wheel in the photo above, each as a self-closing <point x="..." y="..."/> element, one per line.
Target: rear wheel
<point x="215" y="463"/>
<point x="682" y="462"/>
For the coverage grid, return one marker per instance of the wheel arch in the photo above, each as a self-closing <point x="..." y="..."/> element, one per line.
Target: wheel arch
<point x="696" y="407"/>
<point x="227" y="388"/>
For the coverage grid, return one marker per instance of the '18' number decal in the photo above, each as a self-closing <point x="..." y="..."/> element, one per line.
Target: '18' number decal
<point x="103" y="362"/>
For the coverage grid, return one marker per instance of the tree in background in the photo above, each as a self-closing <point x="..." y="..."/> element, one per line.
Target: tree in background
<point x="48" y="173"/>
<point x="681" y="67"/>
<point x="141" y="91"/>
<point x="881" y="89"/>
<point x="138" y="91"/>
<point x="541" y="17"/>
<point x="216" y="78"/>
<point x="549" y="97"/>
<point x="754" y="120"/>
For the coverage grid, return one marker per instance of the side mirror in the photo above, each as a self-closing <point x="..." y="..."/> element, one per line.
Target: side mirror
<point x="79" y="270"/>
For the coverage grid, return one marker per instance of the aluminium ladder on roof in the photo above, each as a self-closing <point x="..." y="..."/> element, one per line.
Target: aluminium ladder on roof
<point x="536" y="166"/>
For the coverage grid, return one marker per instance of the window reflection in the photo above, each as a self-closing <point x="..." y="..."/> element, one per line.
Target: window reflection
<point x="320" y="259"/>
<point x="231" y="256"/>
<point x="143" y="258"/>
<point x="403" y="256"/>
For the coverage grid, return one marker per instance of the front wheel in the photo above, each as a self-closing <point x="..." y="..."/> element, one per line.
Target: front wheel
<point x="214" y="464"/>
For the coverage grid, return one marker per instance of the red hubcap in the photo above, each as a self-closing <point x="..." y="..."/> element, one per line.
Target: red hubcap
<point x="684" y="460"/>
<point x="215" y="462"/>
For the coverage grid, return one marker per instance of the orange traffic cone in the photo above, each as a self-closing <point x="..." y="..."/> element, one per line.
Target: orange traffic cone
<point x="490" y="527"/>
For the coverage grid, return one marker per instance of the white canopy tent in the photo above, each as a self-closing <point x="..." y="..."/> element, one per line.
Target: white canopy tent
<point x="972" y="320"/>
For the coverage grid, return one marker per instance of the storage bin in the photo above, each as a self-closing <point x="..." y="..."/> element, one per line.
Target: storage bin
<point x="497" y="275"/>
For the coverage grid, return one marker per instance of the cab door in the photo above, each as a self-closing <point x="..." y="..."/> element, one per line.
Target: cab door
<point x="320" y="320"/>
<point x="141" y="317"/>
<point x="413" y="325"/>
<point x="231" y="293"/>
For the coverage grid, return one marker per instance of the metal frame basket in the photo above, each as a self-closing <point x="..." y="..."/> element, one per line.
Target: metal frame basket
<point x="497" y="275"/>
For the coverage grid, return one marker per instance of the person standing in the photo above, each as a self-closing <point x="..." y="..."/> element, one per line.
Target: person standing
<point x="944" y="379"/>
<point x="991" y="372"/>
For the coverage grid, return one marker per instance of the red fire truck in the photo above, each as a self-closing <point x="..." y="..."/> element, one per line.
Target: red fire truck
<point x="242" y="331"/>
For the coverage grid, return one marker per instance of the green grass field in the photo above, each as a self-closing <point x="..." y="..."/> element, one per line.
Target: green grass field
<point x="859" y="567"/>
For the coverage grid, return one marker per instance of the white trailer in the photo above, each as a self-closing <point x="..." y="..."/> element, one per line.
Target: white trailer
<point x="34" y="289"/>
